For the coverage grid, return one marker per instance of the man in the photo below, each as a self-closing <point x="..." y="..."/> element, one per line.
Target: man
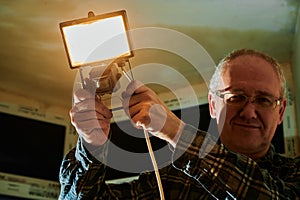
<point x="247" y="99"/>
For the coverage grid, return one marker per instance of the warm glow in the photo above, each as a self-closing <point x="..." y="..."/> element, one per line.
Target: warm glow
<point x="96" y="41"/>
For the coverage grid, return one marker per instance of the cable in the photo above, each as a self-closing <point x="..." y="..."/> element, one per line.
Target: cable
<point x="161" y="191"/>
<point x="126" y="75"/>
<point x="130" y="69"/>
<point x="160" y="188"/>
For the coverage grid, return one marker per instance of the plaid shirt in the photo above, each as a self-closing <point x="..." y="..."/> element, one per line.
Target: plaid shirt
<point x="200" y="169"/>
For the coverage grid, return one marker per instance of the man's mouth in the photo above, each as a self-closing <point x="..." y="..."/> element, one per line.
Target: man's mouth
<point x="247" y="125"/>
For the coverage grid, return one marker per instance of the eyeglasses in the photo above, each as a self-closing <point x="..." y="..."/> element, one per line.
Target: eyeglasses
<point x="260" y="101"/>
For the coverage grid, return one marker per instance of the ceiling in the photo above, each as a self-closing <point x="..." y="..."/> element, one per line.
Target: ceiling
<point x="33" y="61"/>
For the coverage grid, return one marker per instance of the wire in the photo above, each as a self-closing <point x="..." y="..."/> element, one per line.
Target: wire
<point x="126" y="75"/>
<point x="130" y="69"/>
<point x="160" y="188"/>
<point x="161" y="191"/>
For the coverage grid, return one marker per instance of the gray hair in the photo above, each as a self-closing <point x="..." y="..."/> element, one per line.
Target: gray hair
<point x="217" y="76"/>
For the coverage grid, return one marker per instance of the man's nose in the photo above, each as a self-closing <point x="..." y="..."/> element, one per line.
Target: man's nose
<point x="248" y="111"/>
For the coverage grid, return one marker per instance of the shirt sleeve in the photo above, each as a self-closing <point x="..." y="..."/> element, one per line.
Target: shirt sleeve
<point x="81" y="174"/>
<point x="199" y="156"/>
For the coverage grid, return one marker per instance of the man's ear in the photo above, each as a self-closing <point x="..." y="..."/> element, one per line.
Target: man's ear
<point x="281" y="110"/>
<point x="212" y="105"/>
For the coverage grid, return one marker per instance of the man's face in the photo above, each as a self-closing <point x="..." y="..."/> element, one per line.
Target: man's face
<point x="248" y="129"/>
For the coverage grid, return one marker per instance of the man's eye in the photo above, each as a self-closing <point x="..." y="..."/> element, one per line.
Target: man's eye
<point x="263" y="100"/>
<point x="236" y="98"/>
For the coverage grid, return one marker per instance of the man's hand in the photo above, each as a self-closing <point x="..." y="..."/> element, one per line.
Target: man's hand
<point x="90" y="117"/>
<point x="147" y="111"/>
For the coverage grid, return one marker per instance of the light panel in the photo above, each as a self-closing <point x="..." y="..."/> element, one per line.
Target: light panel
<point x="97" y="39"/>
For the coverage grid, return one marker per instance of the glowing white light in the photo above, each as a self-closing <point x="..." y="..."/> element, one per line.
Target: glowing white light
<point x="95" y="41"/>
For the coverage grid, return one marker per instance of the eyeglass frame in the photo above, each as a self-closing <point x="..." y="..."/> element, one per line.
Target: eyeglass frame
<point x="251" y="99"/>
